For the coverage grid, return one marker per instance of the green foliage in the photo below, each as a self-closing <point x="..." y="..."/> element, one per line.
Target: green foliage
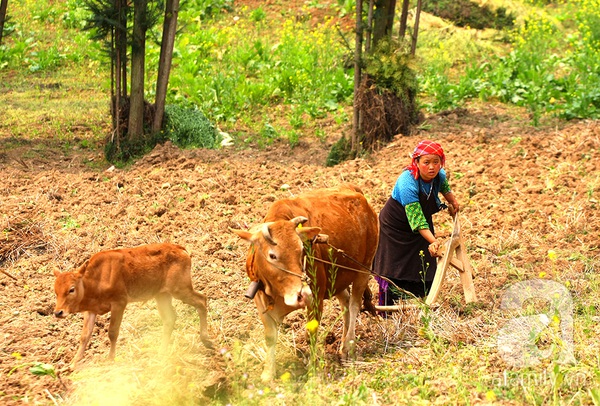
<point x="42" y="369"/>
<point x="258" y="14"/>
<point x="188" y="127"/>
<point x="465" y="13"/>
<point x="340" y="151"/>
<point x="206" y="9"/>
<point x="392" y="67"/>
<point x="236" y="72"/>
<point x="546" y="71"/>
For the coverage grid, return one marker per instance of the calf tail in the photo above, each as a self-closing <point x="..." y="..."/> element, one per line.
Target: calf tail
<point x="368" y="305"/>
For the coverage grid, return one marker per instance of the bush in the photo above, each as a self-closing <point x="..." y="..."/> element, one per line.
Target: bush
<point x="465" y="13"/>
<point x="189" y="128"/>
<point x="340" y="151"/>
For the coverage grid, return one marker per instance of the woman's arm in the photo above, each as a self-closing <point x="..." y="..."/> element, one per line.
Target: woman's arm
<point x="451" y="199"/>
<point x="434" y="243"/>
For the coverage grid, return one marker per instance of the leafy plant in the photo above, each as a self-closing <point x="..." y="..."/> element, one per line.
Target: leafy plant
<point x="189" y="127"/>
<point x="340" y="151"/>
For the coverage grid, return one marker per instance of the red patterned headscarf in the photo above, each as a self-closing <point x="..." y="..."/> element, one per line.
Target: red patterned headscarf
<point x="425" y="147"/>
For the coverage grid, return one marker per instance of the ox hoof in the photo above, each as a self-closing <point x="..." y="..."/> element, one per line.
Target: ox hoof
<point x="207" y="343"/>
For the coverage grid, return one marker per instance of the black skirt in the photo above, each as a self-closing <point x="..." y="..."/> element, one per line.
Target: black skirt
<point x="403" y="255"/>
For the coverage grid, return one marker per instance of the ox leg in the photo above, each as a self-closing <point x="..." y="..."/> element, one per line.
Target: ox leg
<point x="271" y="331"/>
<point x="199" y="301"/>
<point x="168" y="316"/>
<point x="349" y="343"/>
<point x="116" y="316"/>
<point x="344" y="300"/>
<point x="89" y="320"/>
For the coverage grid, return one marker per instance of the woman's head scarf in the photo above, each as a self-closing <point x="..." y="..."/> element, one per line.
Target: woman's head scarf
<point x="425" y="147"/>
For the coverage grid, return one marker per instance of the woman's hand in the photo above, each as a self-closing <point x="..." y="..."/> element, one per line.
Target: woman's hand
<point x="434" y="247"/>
<point x="453" y="208"/>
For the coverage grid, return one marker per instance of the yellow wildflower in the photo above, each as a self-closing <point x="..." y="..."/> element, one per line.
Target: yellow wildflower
<point x="490" y="396"/>
<point x="312" y="326"/>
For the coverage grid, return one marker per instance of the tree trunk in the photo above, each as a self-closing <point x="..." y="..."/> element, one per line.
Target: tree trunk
<point x="357" y="76"/>
<point x="384" y="19"/>
<point x="403" y="18"/>
<point x="135" y="126"/>
<point x="166" y="57"/>
<point x="123" y="10"/>
<point x="413" y="48"/>
<point x="3" y="7"/>
<point x="369" y="26"/>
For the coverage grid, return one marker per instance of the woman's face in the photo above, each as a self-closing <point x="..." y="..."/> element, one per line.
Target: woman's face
<point x="429" y="166"/>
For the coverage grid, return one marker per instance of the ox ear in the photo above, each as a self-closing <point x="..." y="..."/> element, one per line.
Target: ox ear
<point x="308" y="233"/>
<point x="56" y="272"/>
<point x="244" y="235"/>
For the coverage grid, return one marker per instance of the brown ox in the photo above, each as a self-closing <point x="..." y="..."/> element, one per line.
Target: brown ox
<point x="111" y="279"/>
<point x="276" y="259"/>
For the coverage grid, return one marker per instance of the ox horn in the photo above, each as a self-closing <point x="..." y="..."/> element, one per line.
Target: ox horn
<point x="299" y="220"/>
<point x="267" y="233"/>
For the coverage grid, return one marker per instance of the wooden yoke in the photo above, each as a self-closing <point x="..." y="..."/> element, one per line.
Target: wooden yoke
<point x="455" y="255"/>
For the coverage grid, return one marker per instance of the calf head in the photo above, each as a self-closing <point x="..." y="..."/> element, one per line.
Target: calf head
<point x="69" y="291"/>
<point x="275" y="258"/>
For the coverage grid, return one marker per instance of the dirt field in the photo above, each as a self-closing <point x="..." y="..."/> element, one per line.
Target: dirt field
<point x="524" y="192"/>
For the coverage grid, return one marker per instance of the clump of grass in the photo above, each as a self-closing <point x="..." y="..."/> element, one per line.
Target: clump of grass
<point x="189" y="128"/>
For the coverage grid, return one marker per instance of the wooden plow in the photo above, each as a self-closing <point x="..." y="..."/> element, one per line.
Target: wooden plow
<point x="455" y="255"/>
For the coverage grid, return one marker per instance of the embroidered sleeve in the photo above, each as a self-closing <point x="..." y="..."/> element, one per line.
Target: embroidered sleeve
<point x="416" y="218"/>
<point x="445" y="187"/>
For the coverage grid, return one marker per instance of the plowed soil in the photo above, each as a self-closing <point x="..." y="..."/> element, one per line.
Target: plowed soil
<point x="524" y="192"/>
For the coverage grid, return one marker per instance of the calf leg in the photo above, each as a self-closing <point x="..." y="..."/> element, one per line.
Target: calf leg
<point x="168" y="316"/>
<point x="199" y="301"/>
<point x="116" y="316"/>
<point x="89" y="320"/>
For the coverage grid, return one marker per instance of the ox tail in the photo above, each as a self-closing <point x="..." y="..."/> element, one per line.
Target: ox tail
<point x="368" y="305"/>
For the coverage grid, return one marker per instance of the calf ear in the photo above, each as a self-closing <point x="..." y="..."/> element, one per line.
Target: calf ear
<point x="308" y="233"/>
<point x="81" y="270"/>
<point x="56" y="272"/>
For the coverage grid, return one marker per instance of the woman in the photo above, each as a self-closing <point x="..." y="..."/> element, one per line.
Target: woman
<point x="407" y="248"/>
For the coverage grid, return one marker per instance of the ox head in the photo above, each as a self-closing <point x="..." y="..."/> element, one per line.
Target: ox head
<point x="275" y="258"/>
<point x="68" y="288"/>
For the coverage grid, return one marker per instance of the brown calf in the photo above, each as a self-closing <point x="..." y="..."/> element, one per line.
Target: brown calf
<point x="111" y="279"/>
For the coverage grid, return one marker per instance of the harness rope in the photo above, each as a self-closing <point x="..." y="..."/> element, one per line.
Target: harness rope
<point x="306" y="279"/>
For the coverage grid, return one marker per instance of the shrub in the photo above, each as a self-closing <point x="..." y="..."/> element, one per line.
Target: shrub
<point x="465" y="13"/>
<point x="189" y="128"/>
<point x="340" y="151"/>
